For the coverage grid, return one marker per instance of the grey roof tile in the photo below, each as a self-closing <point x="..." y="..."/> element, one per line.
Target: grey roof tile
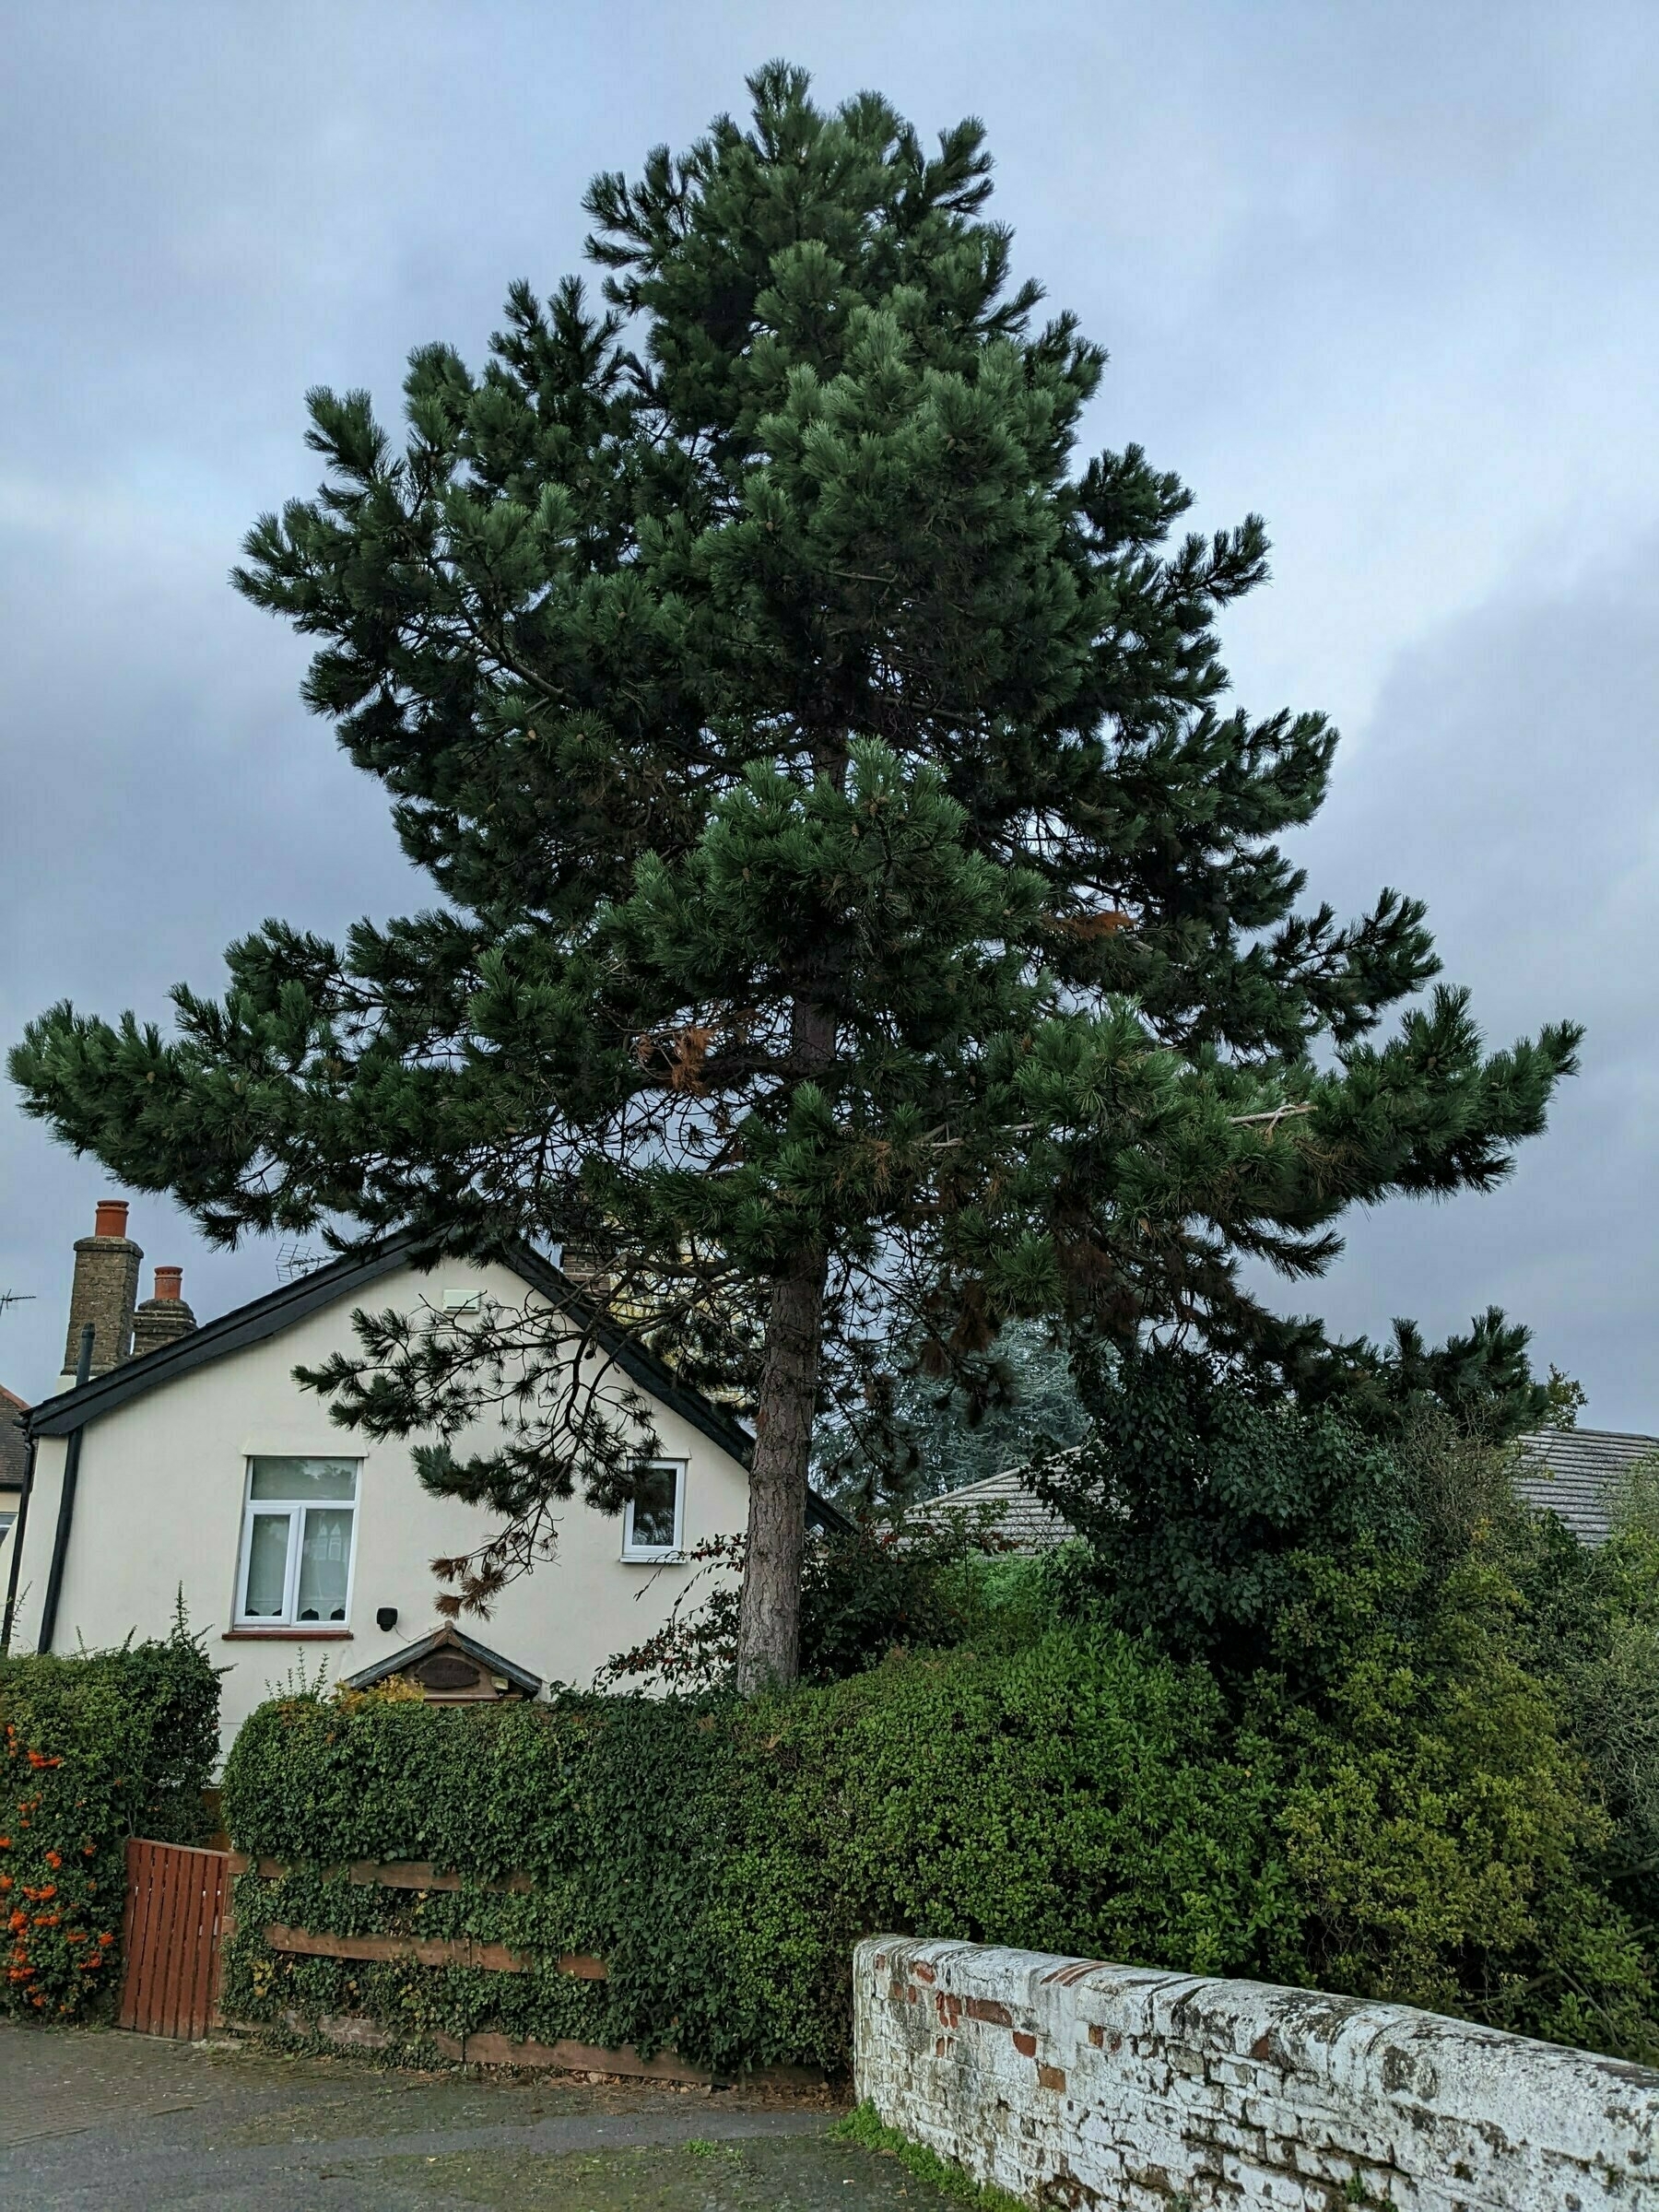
<point x="1577" y="1472"/>
<point x="1014" y="1512"/>
<point x="14" y="1442"/>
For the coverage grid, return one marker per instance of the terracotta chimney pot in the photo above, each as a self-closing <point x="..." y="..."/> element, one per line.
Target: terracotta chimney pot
<point x="164" y="1318"/>
<point x="110" y="1219"/>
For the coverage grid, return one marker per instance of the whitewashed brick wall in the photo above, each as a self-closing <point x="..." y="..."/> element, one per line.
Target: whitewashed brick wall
<point x="1070" y="2083"/>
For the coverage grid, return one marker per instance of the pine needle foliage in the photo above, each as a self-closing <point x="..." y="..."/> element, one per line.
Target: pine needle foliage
<point x="860" y="913"/>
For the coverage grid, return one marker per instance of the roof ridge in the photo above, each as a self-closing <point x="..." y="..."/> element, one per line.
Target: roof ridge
<point x="1621" y="1436"/>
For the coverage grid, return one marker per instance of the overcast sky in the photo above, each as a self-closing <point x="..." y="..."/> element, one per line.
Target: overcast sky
<point x="1384" y="272"/>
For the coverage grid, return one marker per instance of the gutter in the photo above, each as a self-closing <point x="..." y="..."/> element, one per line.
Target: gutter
<point x="66" y="1520"/>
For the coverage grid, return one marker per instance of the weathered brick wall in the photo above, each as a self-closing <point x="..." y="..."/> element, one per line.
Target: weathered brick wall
<point x="1072" y="2084"/>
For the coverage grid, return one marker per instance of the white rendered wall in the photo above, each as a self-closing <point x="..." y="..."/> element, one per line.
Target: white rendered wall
<point x="159" y="1505"/>
<point x="1072" y="2084"/>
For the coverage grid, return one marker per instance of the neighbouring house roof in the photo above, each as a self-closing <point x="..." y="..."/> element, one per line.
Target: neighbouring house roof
<point x="1577" y="1472"/>
<point x="14" y="1442"/>
<point x="1012" y="1510"/>
<point x="448" y="1638"/>
<point x="265" y="1317"/>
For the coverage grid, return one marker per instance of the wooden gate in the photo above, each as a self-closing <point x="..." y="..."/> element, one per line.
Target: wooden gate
<point x="177" y="1906"/>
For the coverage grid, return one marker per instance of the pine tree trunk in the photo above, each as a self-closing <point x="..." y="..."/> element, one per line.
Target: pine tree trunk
<point x="769" y="1619"/>
<point x="768" y="1613"/>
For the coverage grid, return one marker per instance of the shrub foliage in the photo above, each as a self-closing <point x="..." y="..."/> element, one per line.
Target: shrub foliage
<point x="98" y="1748"/>
<point x="1395" y="1807"/>
<point x="722" y="1858"/>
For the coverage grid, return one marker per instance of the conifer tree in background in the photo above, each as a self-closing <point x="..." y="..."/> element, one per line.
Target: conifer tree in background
<point x="861" y="916"/>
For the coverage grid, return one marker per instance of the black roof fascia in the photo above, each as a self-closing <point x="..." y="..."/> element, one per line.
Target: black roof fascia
<point x="652" y="1373"/>
<point x="267" y="1316"/>
<point x="637" y="1363"/>
<point x="441" y="1639"/>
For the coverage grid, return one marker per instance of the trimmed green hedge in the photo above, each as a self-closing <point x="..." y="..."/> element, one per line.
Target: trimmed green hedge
<point x="1397" y="1808"/>
<point x="722" y="1858"/>
<point x="96" y="1749"/>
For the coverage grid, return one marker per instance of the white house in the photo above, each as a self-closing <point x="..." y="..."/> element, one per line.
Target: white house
<point x="201" y="1464"/>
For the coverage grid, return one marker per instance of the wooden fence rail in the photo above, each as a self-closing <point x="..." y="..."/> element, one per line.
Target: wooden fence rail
<point x="386" y="1874"/>
<point x="178" y="1914"/>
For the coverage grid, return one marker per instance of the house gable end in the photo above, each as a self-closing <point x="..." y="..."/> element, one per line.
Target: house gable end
<point x="282" y="1309"/>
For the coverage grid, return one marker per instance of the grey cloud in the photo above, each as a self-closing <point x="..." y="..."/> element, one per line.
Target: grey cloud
<point x="1383" y="273"/>
<point x="1508" y="776"/>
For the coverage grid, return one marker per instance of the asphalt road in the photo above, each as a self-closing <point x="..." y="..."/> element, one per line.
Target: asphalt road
<point x="94" y="2122"/>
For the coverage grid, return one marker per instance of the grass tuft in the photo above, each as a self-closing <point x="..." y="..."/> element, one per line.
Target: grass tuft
<point x="864" y="2127"/>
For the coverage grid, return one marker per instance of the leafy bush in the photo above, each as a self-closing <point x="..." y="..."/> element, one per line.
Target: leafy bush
<point x="1394" y="1810"/>
<point x="721" y="1858"/>
<point x="1458" y="1699"/>
<point x="1593" y="1622"/>
<point x="96" y="1749"/>
<point x="1194" y="1501"/>
<point x="1401" y="1742"/>
<point x="865" y="1590"/>
<point x="1444" y="1837"/>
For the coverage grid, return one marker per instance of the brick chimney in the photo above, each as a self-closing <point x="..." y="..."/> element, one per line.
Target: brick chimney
<point x="160" y="1319"/>
<point x="106" y="1285"/>
<point x="581" y="1266"/>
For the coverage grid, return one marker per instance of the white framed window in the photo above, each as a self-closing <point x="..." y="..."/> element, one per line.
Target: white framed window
<point x="299" y="1541"/>
<point x="654" y="1519"/>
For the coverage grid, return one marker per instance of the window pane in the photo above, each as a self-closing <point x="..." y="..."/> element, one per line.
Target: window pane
<point x="267" y="1566"/>
<point x="324" y="1560"/>
<point x="653" y="1508"/>
<point x="303" y="1479"/>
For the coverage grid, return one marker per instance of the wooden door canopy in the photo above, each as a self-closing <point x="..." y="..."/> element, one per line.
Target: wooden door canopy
<point x="449" y="1667"/>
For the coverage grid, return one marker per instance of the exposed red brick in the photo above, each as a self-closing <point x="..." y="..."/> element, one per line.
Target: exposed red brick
<point x="990" y="2011"/>
<point x="1024" y="2043"/>
<point x="949" y="2007"/>
<point x="1051" y="2078"/>
<point x="923" y="1971"/>
<point x="1096" y="2034"/>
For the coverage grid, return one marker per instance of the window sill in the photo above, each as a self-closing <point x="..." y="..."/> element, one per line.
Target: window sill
<point x="653" y="1559"/>
<point x="305" y="1635"/>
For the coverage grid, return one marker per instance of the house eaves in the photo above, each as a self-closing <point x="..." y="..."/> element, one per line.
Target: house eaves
<point x="281" y="1309"/>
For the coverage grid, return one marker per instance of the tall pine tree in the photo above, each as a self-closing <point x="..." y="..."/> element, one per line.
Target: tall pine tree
<point x="860" y="910"/>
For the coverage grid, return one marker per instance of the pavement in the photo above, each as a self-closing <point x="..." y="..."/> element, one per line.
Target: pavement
<point x="96" y="2121"/>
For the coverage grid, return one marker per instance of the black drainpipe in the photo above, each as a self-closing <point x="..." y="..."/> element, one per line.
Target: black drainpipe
<point x="59" y="1542"/>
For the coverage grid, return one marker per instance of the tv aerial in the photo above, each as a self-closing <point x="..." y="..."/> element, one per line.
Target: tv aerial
<point x="16" y="1297"/>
